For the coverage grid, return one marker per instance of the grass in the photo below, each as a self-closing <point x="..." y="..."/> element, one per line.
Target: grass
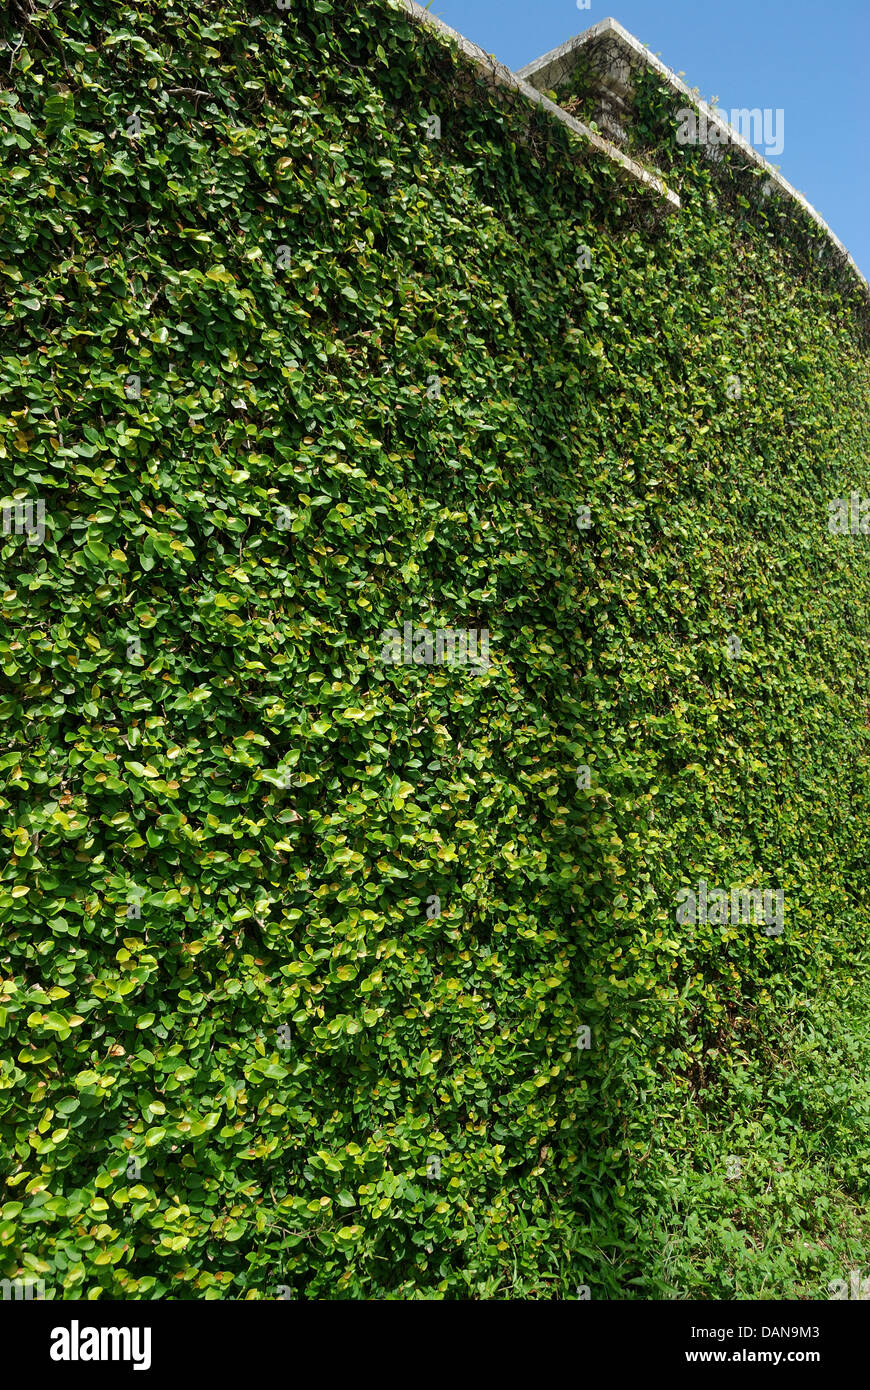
<point x="773" y="1202"/>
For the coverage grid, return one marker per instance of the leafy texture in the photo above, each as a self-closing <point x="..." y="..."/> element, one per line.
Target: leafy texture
<point x="234" y="1038"/>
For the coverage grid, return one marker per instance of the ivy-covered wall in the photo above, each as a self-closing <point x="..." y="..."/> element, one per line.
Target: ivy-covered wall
<point x="299" y="936"/>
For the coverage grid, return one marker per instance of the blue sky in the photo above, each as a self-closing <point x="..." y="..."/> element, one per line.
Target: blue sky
<point x="810" y="59"/>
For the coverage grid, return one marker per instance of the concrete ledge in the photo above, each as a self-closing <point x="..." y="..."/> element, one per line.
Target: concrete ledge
<point x="497" y="75"/>
<point x="625" y="55"/>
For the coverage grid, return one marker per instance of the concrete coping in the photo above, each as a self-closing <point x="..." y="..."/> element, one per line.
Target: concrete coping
<point x="497" y="75"/>
<point x="556" y="66"/>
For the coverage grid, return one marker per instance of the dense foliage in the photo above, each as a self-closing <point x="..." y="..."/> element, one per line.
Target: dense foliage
<point x="376" y="383"/>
